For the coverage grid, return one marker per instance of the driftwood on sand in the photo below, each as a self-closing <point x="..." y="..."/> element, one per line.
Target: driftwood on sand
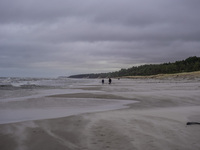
<point x="193" y="123"/>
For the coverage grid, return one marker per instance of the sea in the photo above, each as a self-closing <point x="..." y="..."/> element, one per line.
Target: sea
<point x="25" y="99"/>
<point x="17" y="87"/>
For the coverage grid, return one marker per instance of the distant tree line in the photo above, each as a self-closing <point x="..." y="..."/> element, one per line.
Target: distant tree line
<point x="188" y="65"/>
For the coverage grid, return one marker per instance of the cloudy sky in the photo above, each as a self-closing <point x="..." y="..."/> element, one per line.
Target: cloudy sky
<point x="51" y="38"/>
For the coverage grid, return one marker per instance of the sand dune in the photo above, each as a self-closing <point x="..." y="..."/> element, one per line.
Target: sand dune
<point x="185" y="75"/>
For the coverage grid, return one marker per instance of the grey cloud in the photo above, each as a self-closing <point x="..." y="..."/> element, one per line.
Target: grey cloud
<point x="33" y="11"/>
<point x="95" y="36"/>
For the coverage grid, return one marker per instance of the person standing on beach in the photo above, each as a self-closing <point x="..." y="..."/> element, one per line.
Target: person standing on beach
<point x="102" y="81"/>
<point x="109" y="80"/>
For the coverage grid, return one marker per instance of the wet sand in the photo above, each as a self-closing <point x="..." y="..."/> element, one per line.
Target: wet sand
<point x="157" y="121"/>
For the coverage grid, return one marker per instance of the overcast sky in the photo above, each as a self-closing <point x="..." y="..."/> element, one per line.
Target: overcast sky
<point x="49" y="38"/>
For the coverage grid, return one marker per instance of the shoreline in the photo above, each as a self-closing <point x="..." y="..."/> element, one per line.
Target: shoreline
<point x="57" y="107"/>
<point x="115" y="129"/>
<point x="158" y="121"/>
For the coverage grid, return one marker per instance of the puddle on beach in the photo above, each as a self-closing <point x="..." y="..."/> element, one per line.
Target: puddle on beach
<point x="46" y="108"/>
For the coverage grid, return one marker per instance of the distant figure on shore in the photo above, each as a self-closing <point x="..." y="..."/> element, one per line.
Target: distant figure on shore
<point x="109" y="80"/>
<point x="102" y="81"/>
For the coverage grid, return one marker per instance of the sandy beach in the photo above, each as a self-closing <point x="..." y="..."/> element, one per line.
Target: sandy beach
<point x="184" y="75"/>
<point x="156" y="122"/>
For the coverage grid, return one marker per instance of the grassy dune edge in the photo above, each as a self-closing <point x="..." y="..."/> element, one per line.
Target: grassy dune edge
<point x="184" y="75"/>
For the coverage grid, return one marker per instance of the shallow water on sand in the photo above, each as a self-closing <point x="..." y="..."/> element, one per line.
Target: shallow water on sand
<point x="24" y="99"/>
<point x="45" y="108"/>
<point x="27" y="99"/>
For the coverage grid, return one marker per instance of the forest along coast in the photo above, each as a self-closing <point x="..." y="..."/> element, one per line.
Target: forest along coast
<point x="190" y="64"/>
